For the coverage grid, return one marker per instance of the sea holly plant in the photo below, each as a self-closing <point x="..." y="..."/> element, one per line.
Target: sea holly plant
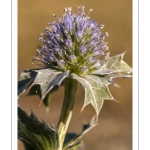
<point x="73" y="52"/>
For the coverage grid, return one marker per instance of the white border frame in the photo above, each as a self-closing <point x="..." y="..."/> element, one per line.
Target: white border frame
<point x="135" y="49"/>
<point x="14" y="72"/>
<point x="144" y="67"/>
<point x="7" y="58"/>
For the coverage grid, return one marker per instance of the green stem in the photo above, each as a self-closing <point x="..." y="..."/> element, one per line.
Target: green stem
<point x="67" y="109"/>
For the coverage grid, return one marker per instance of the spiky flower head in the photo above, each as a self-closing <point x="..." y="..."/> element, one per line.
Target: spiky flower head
<point x="74" y="43"/>
<point x="71" y="48"/>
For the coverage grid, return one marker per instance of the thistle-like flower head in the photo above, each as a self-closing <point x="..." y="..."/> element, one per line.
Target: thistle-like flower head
<point x="71" y="48"/>
<point x="74" y="43"/>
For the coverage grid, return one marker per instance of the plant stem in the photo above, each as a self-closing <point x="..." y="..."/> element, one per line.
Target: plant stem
<point x="67" y="109"/>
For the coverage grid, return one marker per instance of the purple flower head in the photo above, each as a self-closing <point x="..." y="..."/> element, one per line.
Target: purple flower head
<point x="74" y="42"/>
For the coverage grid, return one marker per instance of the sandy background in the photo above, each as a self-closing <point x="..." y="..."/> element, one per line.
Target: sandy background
<point x="114" y="131"/>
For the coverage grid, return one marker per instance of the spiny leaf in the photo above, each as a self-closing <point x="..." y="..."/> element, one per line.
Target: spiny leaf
<point x="41" y="81"/>
<point x="48" y="79"/>
<point x="35" y="133"/>
<point x="25" y="80"/>
<point x="73" y="143"/>
<point x="96" y="83"/>
<point x="113" y="67"/>
<point x="96" y="90"/>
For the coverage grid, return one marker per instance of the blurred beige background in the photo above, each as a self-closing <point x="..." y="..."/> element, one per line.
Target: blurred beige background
<point x="114" y="131"/>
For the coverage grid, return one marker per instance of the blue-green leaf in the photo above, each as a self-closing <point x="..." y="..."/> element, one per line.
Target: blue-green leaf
<point x="25" y="79"/>
<point x="41" y="81"/>
<point x="35" y="134"/>
<point x="96" y="83"/>
<point x="48" y="79"/>
<point x="113" y="67"/>
<point x="96" y="90"/>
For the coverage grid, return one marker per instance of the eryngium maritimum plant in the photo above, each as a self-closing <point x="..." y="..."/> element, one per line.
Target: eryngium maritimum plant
<point x="71" y="52"/>
<point x="73" y="43"/>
